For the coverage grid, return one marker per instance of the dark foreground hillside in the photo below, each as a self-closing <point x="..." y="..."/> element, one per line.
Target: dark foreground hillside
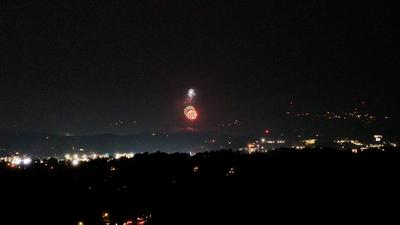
<point x="221" y="187"/>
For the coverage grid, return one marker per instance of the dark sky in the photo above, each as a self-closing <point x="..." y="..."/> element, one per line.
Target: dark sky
<point x="77" y="66"/>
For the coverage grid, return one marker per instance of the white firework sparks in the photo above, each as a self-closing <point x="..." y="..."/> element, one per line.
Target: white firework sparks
<point x="191" y="93"/>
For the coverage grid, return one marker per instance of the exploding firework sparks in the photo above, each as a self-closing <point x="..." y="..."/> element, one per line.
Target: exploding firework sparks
<point x="191" y="93"/>
<point x="190" y="112"/>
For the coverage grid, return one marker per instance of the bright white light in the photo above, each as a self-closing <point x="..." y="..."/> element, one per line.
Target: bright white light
<point x="75" y="162"/>
<point x="27" y="161"/>
<point x="16" y="161"/>
<point x="191" y="93"/>
<point x="378" y="138"/>
<point x="104" y="155"/>
<point x="67" y="156"/>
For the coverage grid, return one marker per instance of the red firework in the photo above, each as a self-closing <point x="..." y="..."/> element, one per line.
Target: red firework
<point x="190" y="112"/>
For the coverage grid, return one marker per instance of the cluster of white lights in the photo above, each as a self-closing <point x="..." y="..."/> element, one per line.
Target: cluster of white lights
<point x="17" y="160"/>
<point x="124" y="155"/>
<point x="75" y="162"/>
<point x="75" y="159"/>
<point x="191" y="93"/>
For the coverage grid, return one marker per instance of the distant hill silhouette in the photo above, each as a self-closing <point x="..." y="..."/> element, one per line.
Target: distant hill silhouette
<point x="48" y="144"/>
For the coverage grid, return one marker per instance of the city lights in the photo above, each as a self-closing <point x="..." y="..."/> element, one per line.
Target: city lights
<point x="378" y="138"/>
<point x="251" y="148"/>
<point x="124" y="155"/>
<point x="16" y="161"/>
<point x="199" y="112"/>
<point x="75" y="162"/>
<point x="309" y="142"/>
<point x="27" y="161"/>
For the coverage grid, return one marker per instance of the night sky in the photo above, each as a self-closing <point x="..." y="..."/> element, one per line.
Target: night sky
<point x="81" y="66"/>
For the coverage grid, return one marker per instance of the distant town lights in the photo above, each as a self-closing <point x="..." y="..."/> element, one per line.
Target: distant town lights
<point x="378" y="138"/>
<point x="310" y="141"/>
<point x="75" y="162"/>
<point x="16" y="161"/>
<point x="27" y="161"/>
